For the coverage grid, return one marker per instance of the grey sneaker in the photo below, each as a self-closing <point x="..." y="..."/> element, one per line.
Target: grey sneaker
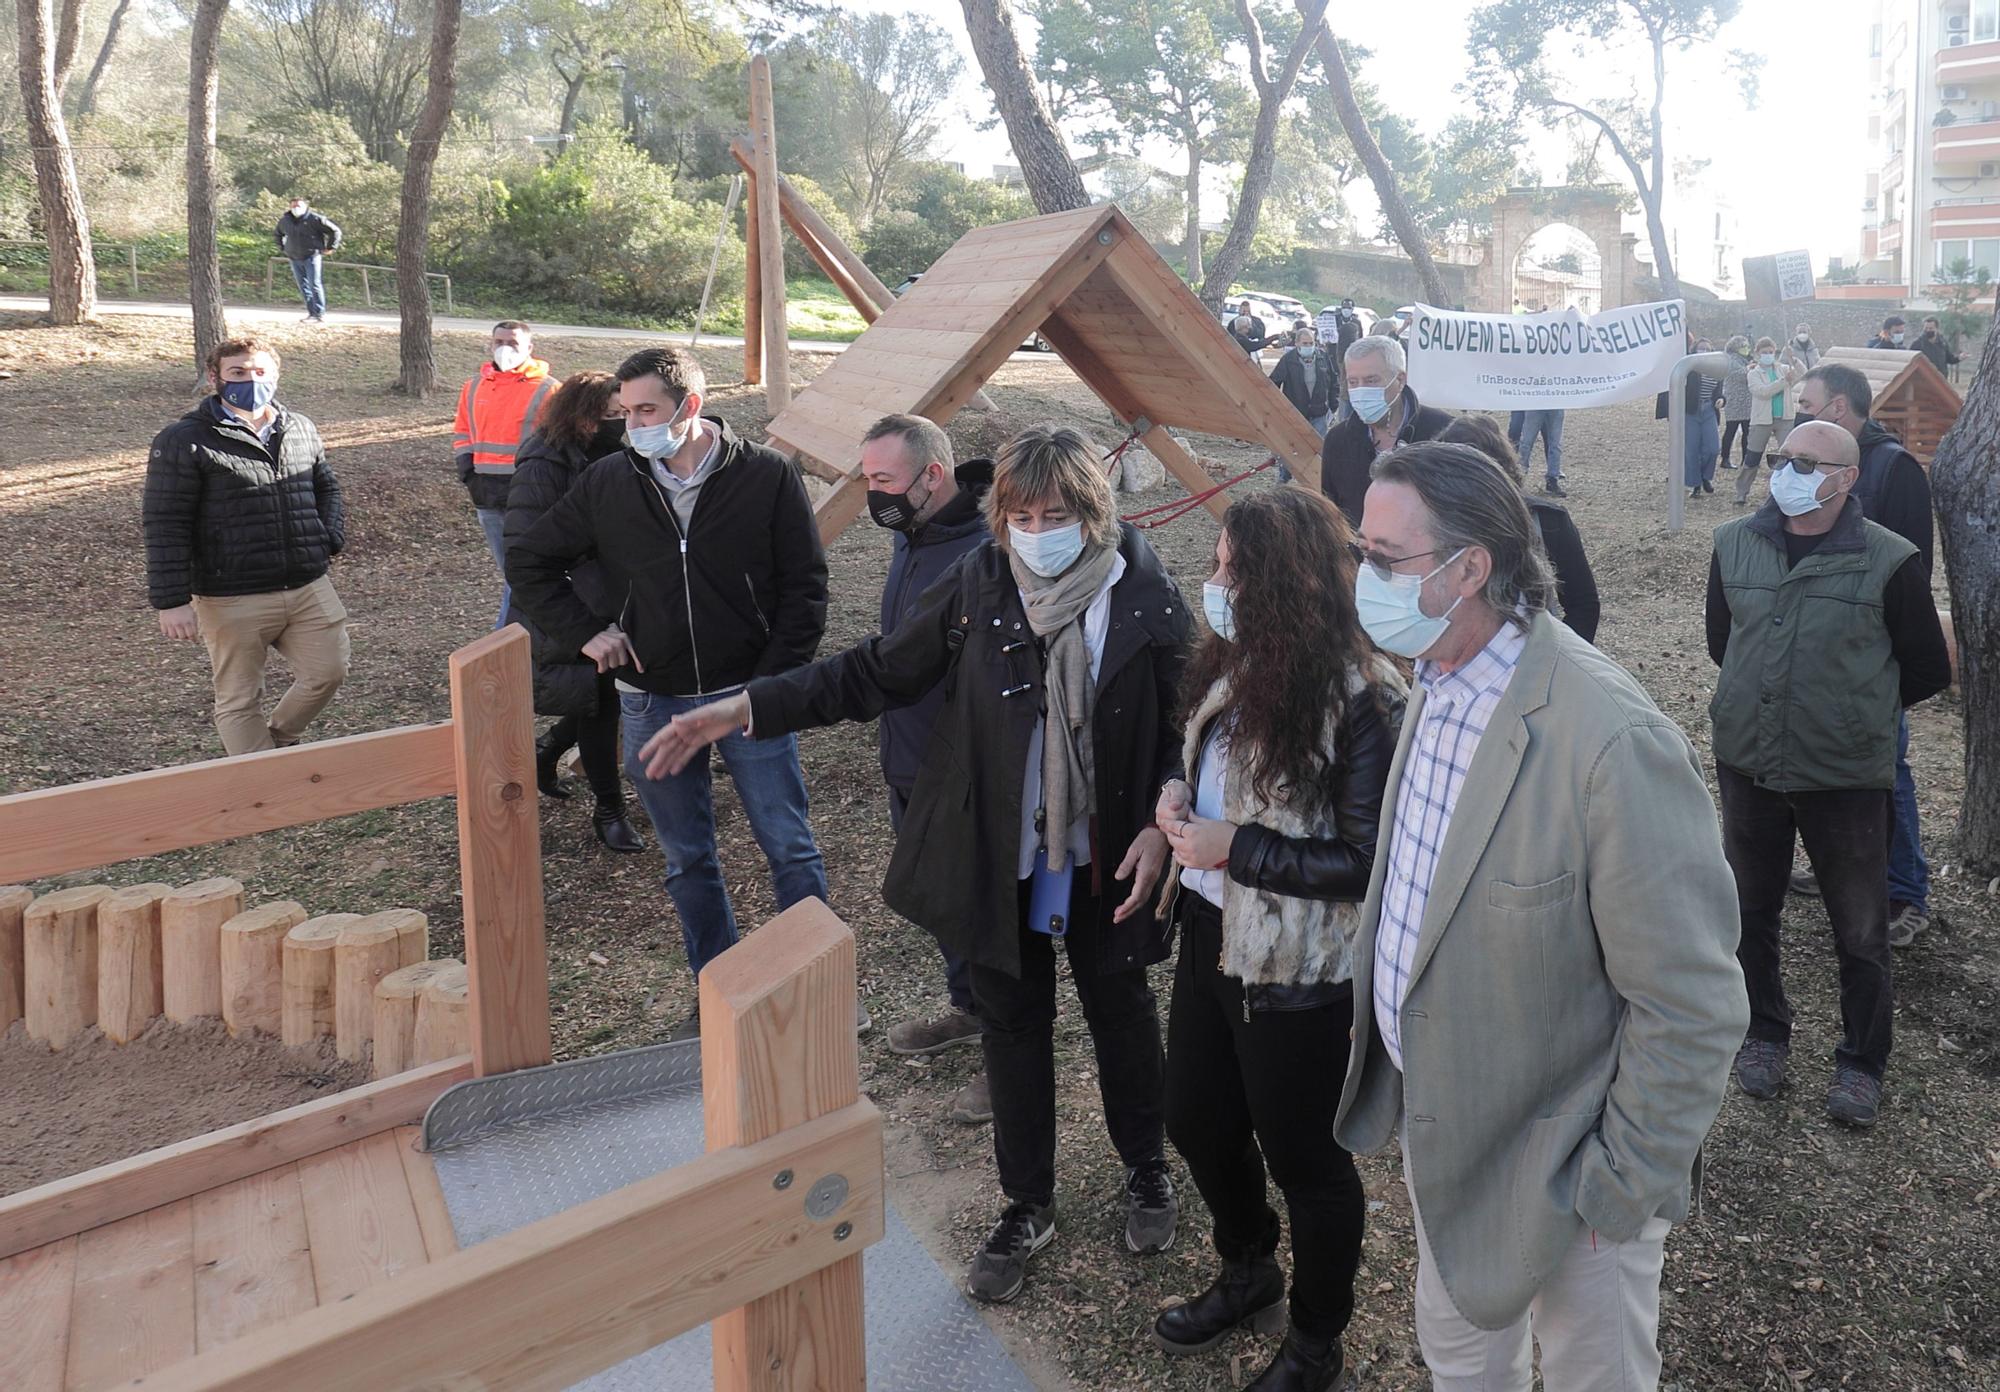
<point x="1805" y="882"/>
<point x="934" y="1036"/>
<point x="1760" y="1068"/>
<point x="863" y="1021"/>
<point x="1151" y="1210"/>
<point x="974" y="1104"/>
<point x="1000" y="1268"/>
<point x="1905" y="922"/>
<point x="1853" y="1098"/>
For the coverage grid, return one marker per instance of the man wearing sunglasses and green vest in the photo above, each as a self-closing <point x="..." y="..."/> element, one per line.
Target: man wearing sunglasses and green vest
<point x="1823" y="625"/>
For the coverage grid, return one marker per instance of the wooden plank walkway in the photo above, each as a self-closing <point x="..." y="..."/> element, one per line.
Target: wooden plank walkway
<point x="134" y="1296"/>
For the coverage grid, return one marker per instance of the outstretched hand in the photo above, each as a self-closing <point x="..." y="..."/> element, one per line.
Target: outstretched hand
<point x="675" y="745"/>
<point x="1143" y="862"/>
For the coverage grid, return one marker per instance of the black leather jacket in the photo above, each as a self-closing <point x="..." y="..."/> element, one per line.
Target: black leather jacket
<point x="1330" y="867"/>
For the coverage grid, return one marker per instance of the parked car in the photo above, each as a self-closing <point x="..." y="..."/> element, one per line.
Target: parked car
<point x="1035" y="344"/>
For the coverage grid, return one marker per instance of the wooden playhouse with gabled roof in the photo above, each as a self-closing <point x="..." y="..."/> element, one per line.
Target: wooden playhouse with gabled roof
<point x="1911" y="397"/>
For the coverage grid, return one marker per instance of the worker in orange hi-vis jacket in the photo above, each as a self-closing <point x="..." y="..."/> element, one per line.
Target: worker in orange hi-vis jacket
<point x="497" y="410"/>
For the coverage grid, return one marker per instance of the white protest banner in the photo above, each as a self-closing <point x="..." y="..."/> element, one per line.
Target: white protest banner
<point x="1544" y="362"/>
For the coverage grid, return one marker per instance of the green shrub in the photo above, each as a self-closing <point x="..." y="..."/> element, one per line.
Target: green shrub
<point x="798" y="262"/>
<point x="294" y="152"/>
<point x="938" y="206"/>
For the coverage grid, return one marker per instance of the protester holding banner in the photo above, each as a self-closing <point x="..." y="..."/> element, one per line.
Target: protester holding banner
<point x="1383" y="412"/>
<point x="1703" y="400"/>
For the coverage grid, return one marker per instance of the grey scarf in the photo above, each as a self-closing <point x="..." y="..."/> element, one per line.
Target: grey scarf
<point x="1055" y="614"/>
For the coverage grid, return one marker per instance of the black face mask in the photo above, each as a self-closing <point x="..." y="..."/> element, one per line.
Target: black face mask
<point x="896" y="511"/>
<point x="610" y="436"/>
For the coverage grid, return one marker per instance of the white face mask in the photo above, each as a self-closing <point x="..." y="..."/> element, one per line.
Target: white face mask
<point x="1797" y="494"/>
<point x="1392" y="611"/>
<point x="507" y="357"/>
<point x="1048" y="554"/>
<point x="1218" y="610"/>
<point x="661" y="441"/>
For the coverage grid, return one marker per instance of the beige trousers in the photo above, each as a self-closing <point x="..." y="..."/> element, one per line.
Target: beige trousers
<point x="1597" y="1320"/>
<point x="308" y="626"/>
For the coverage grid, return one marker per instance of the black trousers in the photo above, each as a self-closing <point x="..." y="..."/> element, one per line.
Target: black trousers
<point x="1019" y="1019"/>
<point x="1247" y="1089"/>
<point x="596" y="741"/>
<point x="1846" y="836"/>
<point x="957" y="984"/>
<point x="1738" y="431"/>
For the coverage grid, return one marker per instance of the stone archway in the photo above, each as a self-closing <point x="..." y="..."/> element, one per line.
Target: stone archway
<point x="1520" y="213"/>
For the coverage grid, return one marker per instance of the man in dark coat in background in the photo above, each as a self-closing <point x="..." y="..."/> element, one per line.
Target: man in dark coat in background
<point x="302" y="236"/>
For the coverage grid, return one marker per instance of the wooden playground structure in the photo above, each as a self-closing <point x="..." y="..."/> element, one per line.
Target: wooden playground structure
<point x="313" y="1249"/>
<point x="1911" y="397"/>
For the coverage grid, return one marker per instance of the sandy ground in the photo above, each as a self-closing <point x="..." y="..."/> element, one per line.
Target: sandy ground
<point x="1821" y="1259"/>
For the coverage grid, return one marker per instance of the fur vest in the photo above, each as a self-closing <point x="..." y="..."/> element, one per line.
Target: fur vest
<point x="1276" y="939"/>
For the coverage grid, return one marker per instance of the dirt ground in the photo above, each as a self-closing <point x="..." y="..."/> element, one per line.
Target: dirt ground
<point x="1820" y="1258"/>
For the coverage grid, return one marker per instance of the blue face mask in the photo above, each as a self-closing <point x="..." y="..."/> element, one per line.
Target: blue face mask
<point x="1392" y="613"/>
<point x="1049" y="553"/>
<point x="661" y="441"/>
<point x="1767" y="359"/>
<point x="252" y="396"/>
<point x="1369" y="403"/>
<point x="1217" y="609"/>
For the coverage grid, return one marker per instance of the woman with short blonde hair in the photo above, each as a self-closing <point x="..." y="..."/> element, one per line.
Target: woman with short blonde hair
<point x="1770" y="381"/>
<point x="1058" y="645"/>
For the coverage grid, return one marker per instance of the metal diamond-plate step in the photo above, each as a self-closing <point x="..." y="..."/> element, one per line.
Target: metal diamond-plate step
<point x="513" y="1149"/>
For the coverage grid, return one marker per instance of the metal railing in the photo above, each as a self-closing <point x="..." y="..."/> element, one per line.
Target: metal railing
<point x="367" y="288"/>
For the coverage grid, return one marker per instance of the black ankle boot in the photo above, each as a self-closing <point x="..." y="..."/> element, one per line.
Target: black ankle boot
<point x="547" y="756"/>
<point x="1304" y="1364"/>
<point x="1247" y="1294"/>
<point x="615" y="830"/>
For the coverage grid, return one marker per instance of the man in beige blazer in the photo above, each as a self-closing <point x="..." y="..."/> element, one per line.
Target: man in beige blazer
<point x="1546" y="994"/>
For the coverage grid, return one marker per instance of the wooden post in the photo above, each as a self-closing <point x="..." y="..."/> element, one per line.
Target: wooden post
<point x="445" y="1027"/>
<point x="412" y="933"/>
<point x="715" y="254"/>
<point x="771" y="259"/>
<point x="500" y="852"/>
<point x="306" y="1001"/>
<point x="270" y="264"/>
<point x="1181" y="465"/>
<point x="396" y="1014"/>
<point x="778" y="1050"/>
<point x="753" y="288"/>
<point x="365" y="952"/>
<point x="132" y="256"/>
<point x="191" y="920"/>
<point x="367" y="291"/>
<point x="14" y="901"/>
<point x="59" y="938"/>
<point x="128" y="961"/>
<point x="253" y="970"/>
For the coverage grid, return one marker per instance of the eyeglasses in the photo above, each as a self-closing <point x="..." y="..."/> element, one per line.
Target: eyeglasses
<point x="1383" y="565"/>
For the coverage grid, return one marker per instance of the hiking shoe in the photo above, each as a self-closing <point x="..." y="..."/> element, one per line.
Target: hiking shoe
<point x="1853" y="1098"/>
<point x="974" y="1104"/>
<point x="1708" y="485"/>
<point x="1905" y="922"/>
<point x="1760" y="1068"/>
<point x="1554" y="488"/>
<point x="863" y="1021"/>
<point x="934" y="1036"/>
<point x="1000" y="1268"/>
<point x="1151" y="1210"/>
<point x="1805" y="882"/>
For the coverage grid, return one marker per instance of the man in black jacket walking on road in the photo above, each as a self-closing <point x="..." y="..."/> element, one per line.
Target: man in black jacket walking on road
<point x="302" y="236"/>
<point x="242" y="515"/>
<point x="711" y="541"/>
<point x="934" y="509"/>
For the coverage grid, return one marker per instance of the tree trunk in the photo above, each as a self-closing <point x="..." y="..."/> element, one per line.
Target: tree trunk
<point x="69" y="30"/>
<point x="204" y="253"/>
<point x="1966" y="480"/>
<point x="87" y="103"/>
<point x="1272" y="93"/>
<point x="1379" y="173"/>
<point x="65" y="224"/>
<point x="572" y="90"/>
<point x="1193" y="241"/>
<point x="413" y="288"/>
<point x="1656" y="222"/>
<point x="1051" y="175"/>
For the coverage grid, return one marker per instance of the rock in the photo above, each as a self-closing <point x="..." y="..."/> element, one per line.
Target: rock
<point x="1138" y="471"/>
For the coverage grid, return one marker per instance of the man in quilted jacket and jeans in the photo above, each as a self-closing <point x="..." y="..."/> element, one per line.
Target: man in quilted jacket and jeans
<point x="242" y="517"/>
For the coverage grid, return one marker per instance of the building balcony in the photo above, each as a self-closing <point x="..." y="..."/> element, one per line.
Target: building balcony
<point x="1871" y="243"/>
<point x="1892" y="171"/>
<point x="1895" y="292"/>
<point x="1965" y="217"/>
<point x="1966" y="142"/>
<point x="1967" y="63"/>
<point x="1889" y="237"/>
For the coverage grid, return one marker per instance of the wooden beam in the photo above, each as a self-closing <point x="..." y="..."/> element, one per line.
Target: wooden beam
<point x="1089" y="367"/>
<point x="84" y="825"/>
<point x="500" y="852"/>
<point x="1181" y="465"/>
<point x="753" y="285"/>
<point x="777" y="334"/>
<point x="35" y="1217"/>
<point x="1266" y="417"/>
<point x="778" y="1051"/>
<point x="546" y="1305"/>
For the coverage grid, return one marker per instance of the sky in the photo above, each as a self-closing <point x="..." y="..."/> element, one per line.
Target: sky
<point x="1787" y="192"/>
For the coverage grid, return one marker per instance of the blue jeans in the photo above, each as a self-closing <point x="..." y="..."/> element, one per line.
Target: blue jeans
<point x="1704" y="438"/>
<point x="493" y="522"/>
<point x="305" y="270"/>
<point x="772" y="789"/>
<point x="1909" y="872"/>
<point x="1549" y="426"/>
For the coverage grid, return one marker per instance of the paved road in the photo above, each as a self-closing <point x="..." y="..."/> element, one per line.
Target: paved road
<point x="376" y="319"/>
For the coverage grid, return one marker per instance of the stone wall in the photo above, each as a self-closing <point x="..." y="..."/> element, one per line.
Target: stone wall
<point x="1835" y="323"/>
<point x="1383" y="283"/>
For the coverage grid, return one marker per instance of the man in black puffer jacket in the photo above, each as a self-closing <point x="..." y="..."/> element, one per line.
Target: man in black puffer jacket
<point x="242" y="516"/>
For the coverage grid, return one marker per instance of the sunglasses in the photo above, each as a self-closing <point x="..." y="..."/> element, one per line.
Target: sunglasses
<point x="1801" y="464"/>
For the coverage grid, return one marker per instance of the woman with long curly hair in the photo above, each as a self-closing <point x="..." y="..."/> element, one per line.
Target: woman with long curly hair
<point x="1291" y="727"/>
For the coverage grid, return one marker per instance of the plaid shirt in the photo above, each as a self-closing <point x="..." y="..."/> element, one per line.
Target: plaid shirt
<point x="1457" y="708"/>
